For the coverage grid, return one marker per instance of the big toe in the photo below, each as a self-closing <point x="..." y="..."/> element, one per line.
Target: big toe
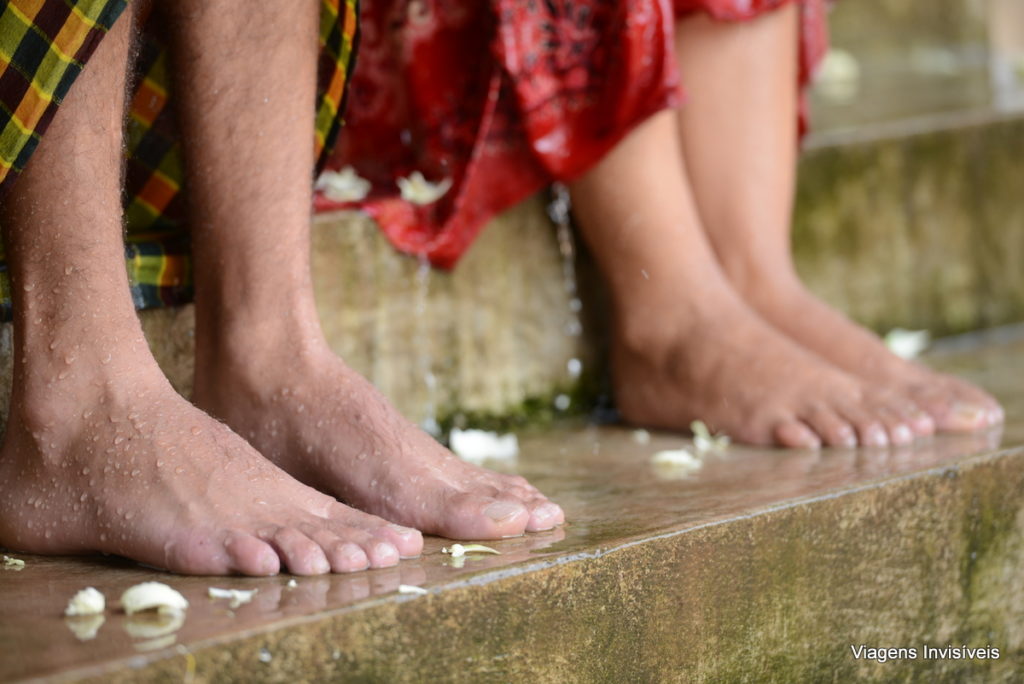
<point x="956" y="405"/>
<point x="477" y="517"/>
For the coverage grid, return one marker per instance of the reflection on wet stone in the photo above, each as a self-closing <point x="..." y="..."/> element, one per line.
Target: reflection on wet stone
<point x="603" y="477"/>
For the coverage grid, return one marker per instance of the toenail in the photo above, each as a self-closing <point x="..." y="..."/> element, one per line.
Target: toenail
<point x="996" y="416"/>
<point x="404" y="532"/>
<point x="924" y="421"/>
<point x="970" y="414"/>
<point x="502" y="510"/>
<point x="847" y="437"/>
<point x="876" y="437"/>
<point x="321" y="566"/>
<point x="385" y="551"/>
<point x="546" y="511"/>
<point x="901" y="434"/>
<point x="354" y="553"/>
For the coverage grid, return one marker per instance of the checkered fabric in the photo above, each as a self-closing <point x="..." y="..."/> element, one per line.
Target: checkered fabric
<point x="43" y="47"/>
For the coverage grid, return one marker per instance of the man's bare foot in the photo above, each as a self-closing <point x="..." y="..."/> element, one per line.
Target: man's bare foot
<point x="953" y="404"/>
<point x="322" y="422"/>
<point x="101" y="455"/>
<point x="711" y="358"/>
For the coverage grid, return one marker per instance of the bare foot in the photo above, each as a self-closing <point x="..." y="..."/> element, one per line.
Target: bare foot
<point x="104" y="456"/>
<point x="953" y="404"/>
<point x="322" y="422"/>
<point x="713" y="359"/>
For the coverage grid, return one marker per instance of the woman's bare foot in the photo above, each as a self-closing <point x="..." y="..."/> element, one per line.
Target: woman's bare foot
<point x="322" y="422"/>
<point x="953" y="404"/>
<point x="101" y="455"/>
<point x="685" y="346"/>
<point x="739" y="145"/>
<point x="717" y="361"/>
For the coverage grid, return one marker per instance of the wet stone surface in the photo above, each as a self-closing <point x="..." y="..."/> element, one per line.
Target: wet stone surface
<point x="639" y="543"/>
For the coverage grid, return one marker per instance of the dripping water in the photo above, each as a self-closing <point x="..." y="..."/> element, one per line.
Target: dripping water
<point x="424" y="362"/>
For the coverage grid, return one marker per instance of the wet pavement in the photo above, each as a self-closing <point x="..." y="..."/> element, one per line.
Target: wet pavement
<point x="603" y="477"/>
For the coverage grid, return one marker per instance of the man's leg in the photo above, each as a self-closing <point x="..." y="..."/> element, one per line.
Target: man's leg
<point x="100" y="453"/>
<point x="739" y="139"/>
<point x="685" y="346"/>
<point x="246" y="85"/>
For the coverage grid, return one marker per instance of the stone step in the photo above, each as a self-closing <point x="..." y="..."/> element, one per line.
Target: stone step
<point x="760" y="566"/>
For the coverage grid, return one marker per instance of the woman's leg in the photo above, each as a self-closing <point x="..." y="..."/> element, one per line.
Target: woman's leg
<point x="739" y="141"/>
<point x="685" y="345"/>
<point x="100" y="453"/>
<point x="262" y="364"/>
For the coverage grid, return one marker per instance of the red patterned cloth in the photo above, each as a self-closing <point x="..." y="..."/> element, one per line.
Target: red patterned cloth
<point x="503" y="97"/>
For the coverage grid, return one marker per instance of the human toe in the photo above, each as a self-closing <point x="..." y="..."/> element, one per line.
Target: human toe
<point x="301" y="554"/>
<point x="833" y="429"/>
<point x="544" y="515"/>
<point x="469" y="516"/>
<point x="795" y="434"/>
<point x="250" y="556"/>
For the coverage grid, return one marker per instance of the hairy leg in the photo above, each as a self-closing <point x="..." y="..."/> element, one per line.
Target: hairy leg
<point x="685" y="346"/>
<point x="262" y="363"/>
<point x="739" y="139"/>
<point x="100" y="453"/>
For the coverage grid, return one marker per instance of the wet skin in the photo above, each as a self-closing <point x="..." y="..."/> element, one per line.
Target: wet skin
<point x="689" y="220"/>
<point x="100" y="453"/>
<point x="742" y="80"/>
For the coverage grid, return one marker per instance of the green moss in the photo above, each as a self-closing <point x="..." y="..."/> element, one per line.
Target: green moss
<point x="535" y="412"/>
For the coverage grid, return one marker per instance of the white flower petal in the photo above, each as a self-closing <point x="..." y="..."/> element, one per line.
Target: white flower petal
<point x="343" y="186"/>
<point x="237" y="596"/>
<point x="907" y="344"/>
<point x="88" y="601"/>
<point x="150" y="596"/>
<point x="478" y="445"/>
<point x="13" y="563"/>
<point x="704" y="441"/>
<point x="418" y="190"/>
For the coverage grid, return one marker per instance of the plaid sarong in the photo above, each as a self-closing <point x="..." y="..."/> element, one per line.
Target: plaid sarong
<point x="43" y="47"/>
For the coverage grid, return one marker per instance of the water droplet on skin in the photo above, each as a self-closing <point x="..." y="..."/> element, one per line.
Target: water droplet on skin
<point x="196" y="430"/>
<point x="28" y="287"/>
<point x="118" y="439"/>
<point x="48" y="534"/>
<point x="136" y="472"/>
<point x="85" y="470"/>
<point x="105" y="360"/>
<point x="68" y="270"/>
<point x="179" y="470"/>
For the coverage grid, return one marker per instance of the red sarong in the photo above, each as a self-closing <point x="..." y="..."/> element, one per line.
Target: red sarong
<point x="504" y="97"/>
